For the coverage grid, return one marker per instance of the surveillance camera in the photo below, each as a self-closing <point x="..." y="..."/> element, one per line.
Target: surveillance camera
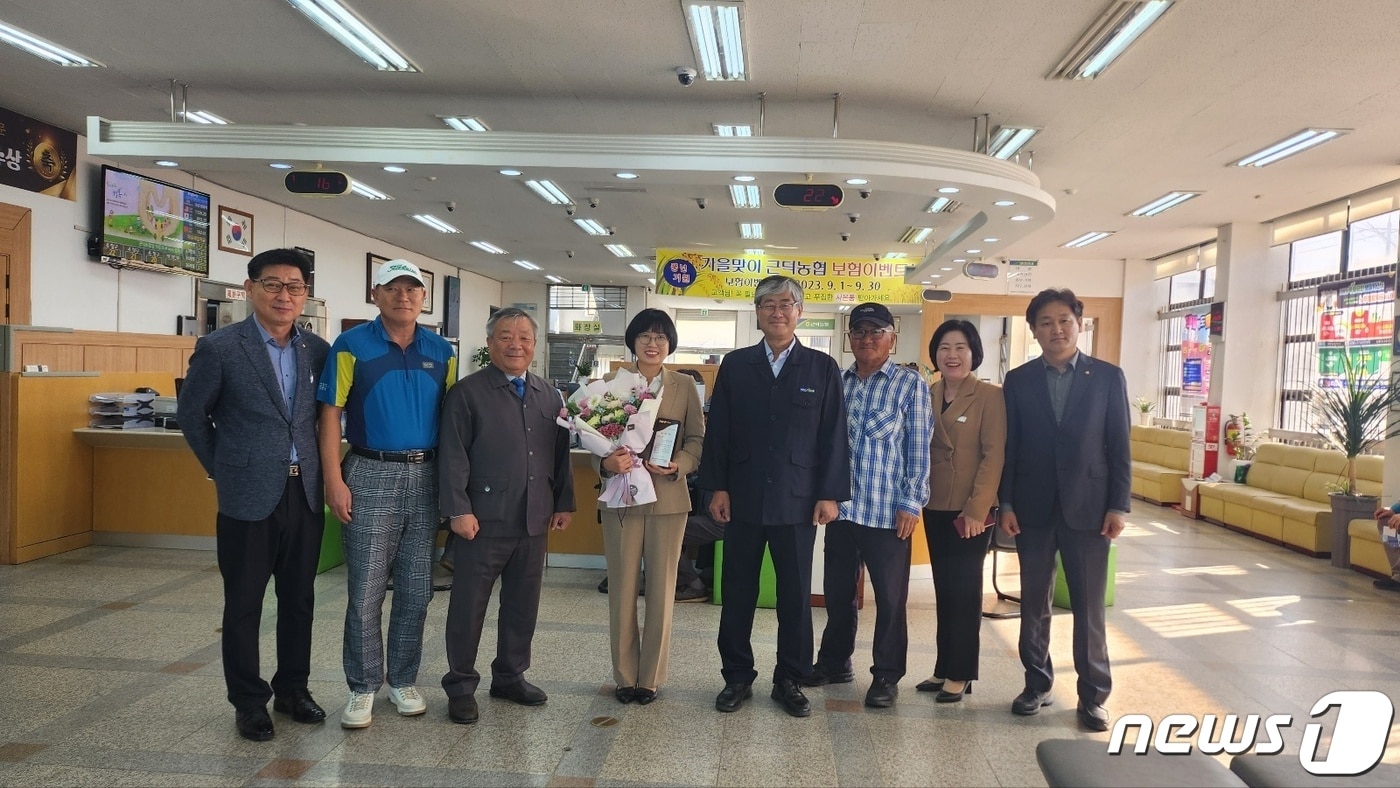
<point x="569" y="253"/>
<point x="451" y="206"/>
<point x="865" y="194"/>
<point x="571" y="209"/>
<point x="592" y="202"/>
<point x="700" y="201"/>
<point x="855" y="217"/>
<point x="845" y="236"/>
<point x="686" y="76"/>
<point x="611" y="230"/>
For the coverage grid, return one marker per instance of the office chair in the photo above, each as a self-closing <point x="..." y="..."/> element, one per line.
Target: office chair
<point x="1001" y="543"/>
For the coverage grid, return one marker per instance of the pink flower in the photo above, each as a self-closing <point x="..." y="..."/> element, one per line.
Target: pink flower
<point x="610" y="431"/>
<point x="648" y="395"/>
<point x="629" y="409"/>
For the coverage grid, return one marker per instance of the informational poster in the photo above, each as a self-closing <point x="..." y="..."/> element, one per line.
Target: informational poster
<point x="1195" y="356"/>
<point x="1020" y="277"/>
<point x="824" y="280"/>
<point x="38" y="157"/>
<point x="1355" y="320"/>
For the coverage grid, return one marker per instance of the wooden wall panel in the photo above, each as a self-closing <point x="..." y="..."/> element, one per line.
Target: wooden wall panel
<point x="180" y="499"/>
<point x="59" y="358"/>
<point x="106" y="358"/>
<point x="103" y="351"/>
<point x="161" y="359"/>
<point x="1107" y="314"/>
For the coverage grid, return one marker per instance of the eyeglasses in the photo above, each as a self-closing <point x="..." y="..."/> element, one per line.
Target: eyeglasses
<point x="277" y="285"/>
<point x="862" y="333"/>
<point x="652" y="339"/>
<point x="785" y="307"/>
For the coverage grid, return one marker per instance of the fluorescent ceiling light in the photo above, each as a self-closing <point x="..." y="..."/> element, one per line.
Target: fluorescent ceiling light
<point x="488" y="247"/>
<point x="619" y="250"/>
<point x="347" y="28"/>
<point x="626" y="176"/>
<point x="894" y="256"/>
<point x="1004" y="203"/>
<point x="280" y="165"/>
<point x="394" y="168"/>
<point x="754" y="251"/>
<point x="717" y="36"/>
<point x="45" y="49"/>
<point x="733" y="129"/>
<point x="464" y="122"/>
<point x="365" y="190"/>
<point x="916" y="235"/>
<point x="1164" y="203"/>
<point x="555" y="279"/>
<point x="434" y="222"/>
<point x="166" y="163"/>
<point x="751" y="230"/>
<point x="856" y="181"/>
<point x="1108" y="37"/>
<point x="640" y="268"/>
<point x="745" y="196"/>
<point x="744" y="178"/>
<point x="1006" y="140"/>
<point x="591" y="226"/>
<point x="205" y="117"/>
<point x="549" y="192"/>
<point x="1307" y="138"/>
<point x="1086" y="239"/>
<point x="943" y="205"/>
<point x="510" y="173"/>
<point x="526" y="264"/>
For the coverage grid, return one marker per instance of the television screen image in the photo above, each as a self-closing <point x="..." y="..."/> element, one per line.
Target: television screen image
<point x="150" y="223"/>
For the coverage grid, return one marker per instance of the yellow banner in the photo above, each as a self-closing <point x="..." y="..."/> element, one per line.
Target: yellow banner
<point x="824" y="280"/>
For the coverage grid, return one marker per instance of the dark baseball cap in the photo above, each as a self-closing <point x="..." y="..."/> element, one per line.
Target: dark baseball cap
<point x="878" y="314"/>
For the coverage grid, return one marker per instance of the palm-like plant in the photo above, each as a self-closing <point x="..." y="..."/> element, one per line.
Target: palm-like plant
<point x="1352" y="418"/>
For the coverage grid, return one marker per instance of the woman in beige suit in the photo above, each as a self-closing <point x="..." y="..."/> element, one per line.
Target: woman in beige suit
<point x="652" y="531"/>
<point x="967" y="452"/>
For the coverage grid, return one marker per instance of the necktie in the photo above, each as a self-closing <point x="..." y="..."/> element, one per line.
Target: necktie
<point x="519" y="384"/>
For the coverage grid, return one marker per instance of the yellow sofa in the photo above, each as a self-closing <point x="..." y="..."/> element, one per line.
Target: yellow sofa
<point x="1160" y="459"/>
<point x="1367" y="554"/>
<point x="1284" y="499"/>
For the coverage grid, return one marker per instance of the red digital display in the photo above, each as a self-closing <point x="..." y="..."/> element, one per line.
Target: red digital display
<point x="808" y="195"/>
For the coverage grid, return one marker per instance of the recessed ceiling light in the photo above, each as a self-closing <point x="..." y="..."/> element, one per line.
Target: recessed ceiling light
<point x="619" y="250"/>
<point x="549" y="192"/>
<point x="1004" y="203"/>
<point x="626" y="176"/>
<point x="488" y="247"/>
<point x="751" y="230"/>
<point x="717" y="37"/>
<point x="949" y="190"/>
<point x="973" y="251"/>
<point x="1297" y="143"/>
<point x="916" y="235"/>
<point x="753" y="251"/>
<point x="1020" y="217"/>
<point x="280" y="165"/>
<point x="34" y="45"/>
<point x="166" y="163"/>
<point x="935" y="276"/>
<point x="464" y="122"/>
<point x="990" y="240"/>
<point x="1164" y="203"/>
<point x="510" y="173"/>
<point x="347" y="28"/>
<point x="526" y="264"/>
<point x="394" y="168"/>
<point x="745" y="196"/>
<point x="732" y="129"/>
<point x="943" y="205"/>
<point x="367" y="191"/>
<point x="591" y="226"/>
<point x="856" y="181"/>
<point x="434" y="222"/>
<point x="959" y="259"/>
<point x="1108" y="37"/>
<point x="640" y="268"/>
<point x="555" y="279"/>
<point x="744" y="178"/>
<point x="946" y="268"/>
<point x="1086" y="239"/>
<point x="1006" y="140"/>
<point x="928" y="282"/>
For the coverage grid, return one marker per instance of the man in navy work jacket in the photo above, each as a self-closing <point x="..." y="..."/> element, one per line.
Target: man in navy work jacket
<point x="777" y="459"/>
<point x="1065" y="488"/>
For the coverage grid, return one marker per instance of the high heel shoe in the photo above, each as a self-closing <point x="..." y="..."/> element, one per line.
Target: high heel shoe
<point x="945" y="696"/>
<point x="934" y="684"/>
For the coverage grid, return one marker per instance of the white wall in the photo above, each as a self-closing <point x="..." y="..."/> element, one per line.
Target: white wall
<point x="1141" y="354"/>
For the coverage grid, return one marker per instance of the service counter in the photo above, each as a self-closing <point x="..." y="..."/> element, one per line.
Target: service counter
<point x="149" y="490"/>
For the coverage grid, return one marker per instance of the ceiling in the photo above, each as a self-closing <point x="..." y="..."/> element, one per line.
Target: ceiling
<point x="1211" y="82"/>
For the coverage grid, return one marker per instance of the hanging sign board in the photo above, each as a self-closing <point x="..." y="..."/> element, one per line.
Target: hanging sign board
<point x="824" y="280"/>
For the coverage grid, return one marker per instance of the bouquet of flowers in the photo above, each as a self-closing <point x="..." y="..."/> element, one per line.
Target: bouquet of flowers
<point x="606" y="415"/>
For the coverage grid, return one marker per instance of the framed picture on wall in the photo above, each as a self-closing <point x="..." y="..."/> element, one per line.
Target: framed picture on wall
<point x="235" y="231"/>
<point x="372" y="263"/>
<point x="430" y="284"/>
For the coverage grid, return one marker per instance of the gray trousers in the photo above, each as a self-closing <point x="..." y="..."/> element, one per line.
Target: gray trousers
<point x="519" y="563"/>
<point x="1392" y="554"/>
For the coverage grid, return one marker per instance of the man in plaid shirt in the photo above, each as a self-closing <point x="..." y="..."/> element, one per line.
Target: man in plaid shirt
<point x="890" y="421"/>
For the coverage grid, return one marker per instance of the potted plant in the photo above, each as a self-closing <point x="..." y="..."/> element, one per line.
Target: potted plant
<point x="481" y="357"/>
<point x="1144" y="407"/>
<point x="1351" y="418"/>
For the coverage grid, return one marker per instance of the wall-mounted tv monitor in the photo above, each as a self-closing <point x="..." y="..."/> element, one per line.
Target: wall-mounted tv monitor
<point x="153" y="225"/>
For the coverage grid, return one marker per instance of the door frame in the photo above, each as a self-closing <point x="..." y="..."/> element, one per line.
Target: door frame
<point x="15" y="232"/>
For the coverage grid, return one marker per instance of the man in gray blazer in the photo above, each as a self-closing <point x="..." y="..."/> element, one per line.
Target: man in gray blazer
<point x="506" y="482"/>
<point x="248" y="410"/>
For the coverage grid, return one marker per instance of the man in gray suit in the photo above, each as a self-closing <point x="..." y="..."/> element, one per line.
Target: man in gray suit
<point x="248" y="410"/>
<point x="506" y="481"/>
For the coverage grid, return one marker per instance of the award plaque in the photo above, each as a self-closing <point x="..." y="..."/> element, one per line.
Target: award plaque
<point x="663" y="442"/>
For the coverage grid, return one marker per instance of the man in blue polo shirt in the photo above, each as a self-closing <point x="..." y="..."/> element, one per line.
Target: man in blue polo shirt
<point x="388" y="377"/>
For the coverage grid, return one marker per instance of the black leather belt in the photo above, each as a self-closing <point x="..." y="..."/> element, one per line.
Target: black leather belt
<point x="294" y="469"/>
<point x="421" y="455"/>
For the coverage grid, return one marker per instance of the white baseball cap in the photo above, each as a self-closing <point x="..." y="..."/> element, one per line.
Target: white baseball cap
<point x="396" y="268"/>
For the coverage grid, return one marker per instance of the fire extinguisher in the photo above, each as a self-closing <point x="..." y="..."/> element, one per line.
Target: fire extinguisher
<point x="1232" y="435"/>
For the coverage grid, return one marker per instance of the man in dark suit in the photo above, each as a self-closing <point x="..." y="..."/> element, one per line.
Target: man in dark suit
<point x="248" y="410"/>
<point x="506" y="481"/>
<point x="777" y="460"/>
<point x="1065" y="488"/>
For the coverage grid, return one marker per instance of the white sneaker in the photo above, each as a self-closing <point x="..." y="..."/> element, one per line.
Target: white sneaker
<point x="359" y="710"/>
<point x="407" y="700"/>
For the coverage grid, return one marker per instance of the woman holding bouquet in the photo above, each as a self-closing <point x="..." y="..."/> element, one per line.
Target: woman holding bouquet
<point x="654" y="530"/>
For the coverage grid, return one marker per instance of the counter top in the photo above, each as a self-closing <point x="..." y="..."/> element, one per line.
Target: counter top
<point x="151" y="438"/>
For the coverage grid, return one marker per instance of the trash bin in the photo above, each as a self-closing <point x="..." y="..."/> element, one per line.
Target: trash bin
<point x="767" y="579"/>
<point x="1061" y="597"/>
<point x="332" y="551"/>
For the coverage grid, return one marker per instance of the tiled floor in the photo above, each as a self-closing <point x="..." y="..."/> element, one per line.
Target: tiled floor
<point x="109" y="658"/>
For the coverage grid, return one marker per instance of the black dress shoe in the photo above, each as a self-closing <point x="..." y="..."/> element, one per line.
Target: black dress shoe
<point x="643" y="696"/>
<point x="300" y="706"/>
<point x="462" y="709"/>
<point x="789" y="695"/>
<point x="254" y="724"/>
<point x="929" y="685"/>
<point x="822" y="676"/>
<point x="624" y="694"/>
<point x="944" y="696"/>
<point x="733" y="696"/>
<point x="1388" y="584"/>
<point x="1092" y="716"/>
<point x="522" y="692"/>
<point x="1029" y="702"/>
<point x="881" y="694"/>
